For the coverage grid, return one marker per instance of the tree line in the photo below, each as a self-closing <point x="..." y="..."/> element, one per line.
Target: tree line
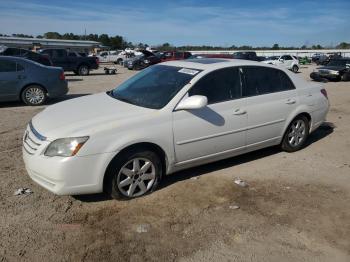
<point x="119" y="42"/>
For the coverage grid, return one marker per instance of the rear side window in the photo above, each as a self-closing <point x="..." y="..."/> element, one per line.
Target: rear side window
<point x="219" y="86"/>
<point x="7" y="66"/>
<point x="19" y="67"/>
<point x="264" y="80"/>
<point x="58" y="53"/>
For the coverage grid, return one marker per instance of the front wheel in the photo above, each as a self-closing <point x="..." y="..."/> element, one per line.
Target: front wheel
<point x="133" y="174"/>
<point x="296" y="135"/>
<point x="295" y="69"/>
<point x="34" y="95"/>
<point x="345" y="77"/>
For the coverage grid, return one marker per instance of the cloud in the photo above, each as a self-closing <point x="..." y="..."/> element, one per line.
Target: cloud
<point x="182" y="24"/>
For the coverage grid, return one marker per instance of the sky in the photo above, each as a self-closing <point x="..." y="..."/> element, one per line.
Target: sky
<point x="182" y="22"/>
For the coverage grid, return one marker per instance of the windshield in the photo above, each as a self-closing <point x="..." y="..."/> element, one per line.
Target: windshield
<point x="155" y="86"/>
<point x="337" y="63"/>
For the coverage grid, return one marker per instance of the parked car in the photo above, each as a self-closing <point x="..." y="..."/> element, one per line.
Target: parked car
<point x="169" y="117"/>
<point x="142" y="61"/>
<point x="304" y="60"/>
<point x="320" y="59"/>
<point x="336" y="70"/>
<point x="20" y="52"/>
<point x="174" y="55"/>
<point x="108" y="56"/>
<point x="24" y="80"/>
<point x="288" y="61"/>
<point x="71" y="61"/>
<point x="247" y="55"/>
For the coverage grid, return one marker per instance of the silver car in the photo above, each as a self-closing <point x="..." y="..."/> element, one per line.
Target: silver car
<point x="30" y="82"/>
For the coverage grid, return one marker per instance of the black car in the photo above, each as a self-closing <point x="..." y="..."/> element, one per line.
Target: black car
<point x="248" y="55"/>
<point x="20" y="52"/>
<point x="71" y="61"/>
<point x="336" y="70"/>
<point x="142" y="61"/>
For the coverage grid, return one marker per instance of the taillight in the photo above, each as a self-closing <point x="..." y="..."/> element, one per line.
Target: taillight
<point x="97" y="60"/>
<point x="62" y="76"/>
<point x="324" y="92"/>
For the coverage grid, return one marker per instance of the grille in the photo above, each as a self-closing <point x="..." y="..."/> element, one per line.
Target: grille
<point x="32" y="140"/>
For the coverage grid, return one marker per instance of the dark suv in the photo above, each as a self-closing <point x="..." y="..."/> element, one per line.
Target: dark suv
<point x="71" y="61"/>
<point x="20" y="52"/>
<point x="336" y="70"/>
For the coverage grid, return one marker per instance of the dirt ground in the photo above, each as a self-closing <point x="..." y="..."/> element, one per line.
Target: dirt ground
<point x="296" y="207"/>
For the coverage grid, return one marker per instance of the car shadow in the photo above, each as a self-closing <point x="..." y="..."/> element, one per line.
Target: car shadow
<point x="323" y="131"/>
<point x="49" y="101"/>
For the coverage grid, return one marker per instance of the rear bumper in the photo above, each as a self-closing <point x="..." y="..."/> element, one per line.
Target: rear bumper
<point x="59" y="89"/>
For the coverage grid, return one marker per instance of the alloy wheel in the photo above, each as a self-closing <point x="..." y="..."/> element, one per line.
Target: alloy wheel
<point x="136" y="177"/>
<point x="297" y="133"/>
<point x="35" y="95"/>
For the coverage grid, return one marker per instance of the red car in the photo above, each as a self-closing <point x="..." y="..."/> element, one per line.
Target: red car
<point x="174" y="55"/>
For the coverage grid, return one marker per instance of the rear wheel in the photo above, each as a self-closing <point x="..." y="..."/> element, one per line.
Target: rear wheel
<point x="83" y="70"/>
<point x="133" y="174"/>
<point x="34" y="95"/>
<point x="296" y="134"/>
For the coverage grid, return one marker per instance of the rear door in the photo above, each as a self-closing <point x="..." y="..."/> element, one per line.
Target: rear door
<point x="270" y="98"/>
<point x="11" y="77"/>
<point x="60" y="59"/>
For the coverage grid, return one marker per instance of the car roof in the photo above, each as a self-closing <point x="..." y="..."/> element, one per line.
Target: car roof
<point x="213" y="63"/>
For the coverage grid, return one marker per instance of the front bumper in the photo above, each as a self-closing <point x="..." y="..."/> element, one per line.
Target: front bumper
<point x="68" y="175"/>
<point x="63" y="175"/>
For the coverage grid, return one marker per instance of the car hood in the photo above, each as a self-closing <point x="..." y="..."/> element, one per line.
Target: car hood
<point x="336" y="68"/>
<point x="85" y="116"/>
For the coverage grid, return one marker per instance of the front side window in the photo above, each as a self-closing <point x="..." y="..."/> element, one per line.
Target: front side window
<point x="219" y="86"/>
<point x="264" y="80"/>
<point x="155" y="86"/>
<point x="7" y="66"/>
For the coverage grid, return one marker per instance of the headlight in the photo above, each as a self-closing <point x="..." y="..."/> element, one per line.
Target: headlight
<point x="333" y="72"/>
<point x="65" y="147"/>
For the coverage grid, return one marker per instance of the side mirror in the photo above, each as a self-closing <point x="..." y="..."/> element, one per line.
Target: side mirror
<point x="281" y="59"/>
<point x="192" y="102"/>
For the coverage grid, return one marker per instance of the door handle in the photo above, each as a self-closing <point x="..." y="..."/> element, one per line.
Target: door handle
<point x="291" y="101"/>
<point x="238" y="112"/>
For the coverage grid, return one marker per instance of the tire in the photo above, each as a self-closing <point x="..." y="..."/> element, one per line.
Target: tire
<point x="345" y="77"/>
<point x="295" y="68"/>
<point x="83" y="70"/>
<point x="34" y="95"/>
<point x="119" y="61"/>
<point x="122" y="182"/>
<point x="296" y="134"/>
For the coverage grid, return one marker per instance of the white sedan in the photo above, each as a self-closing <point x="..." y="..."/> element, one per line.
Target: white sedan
<point x="166" y="118"/>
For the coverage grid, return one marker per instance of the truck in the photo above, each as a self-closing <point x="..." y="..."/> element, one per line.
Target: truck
<point x="71" y="61"/>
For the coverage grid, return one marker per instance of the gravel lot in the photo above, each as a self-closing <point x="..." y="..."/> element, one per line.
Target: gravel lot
<point x="296" y="207"/>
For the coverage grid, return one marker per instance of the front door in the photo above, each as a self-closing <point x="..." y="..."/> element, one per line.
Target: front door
<point x="217" y="129"/>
